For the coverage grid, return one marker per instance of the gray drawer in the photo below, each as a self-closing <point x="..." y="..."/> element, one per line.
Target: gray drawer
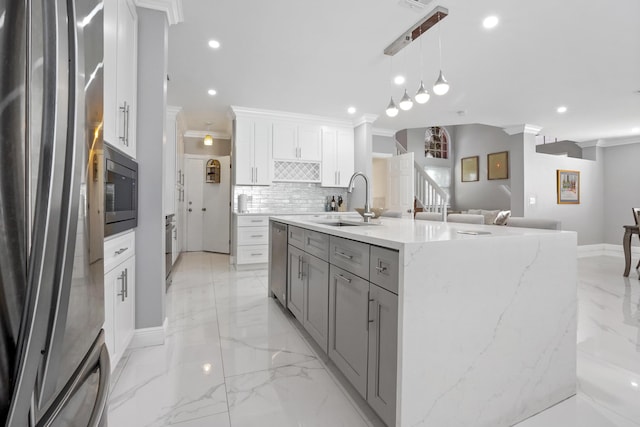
<point x="383" y="269"/>
<point x="350" y="255"/>
<point x="296" y="237"/>
<point x="317" y="244"/>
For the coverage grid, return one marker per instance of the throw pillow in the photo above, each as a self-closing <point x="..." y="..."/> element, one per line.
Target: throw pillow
<point x="502" y="217"/>
<point x="489" y="216"/>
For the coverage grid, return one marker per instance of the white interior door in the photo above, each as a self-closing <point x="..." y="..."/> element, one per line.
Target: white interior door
<point x="194" y="181"/>
<point x="216" y="201"/>
<point x="400" y="191"/>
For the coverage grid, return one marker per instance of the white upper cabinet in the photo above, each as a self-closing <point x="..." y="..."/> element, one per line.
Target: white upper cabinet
<point x="170" y="161"/>
<point x="296" y="142"/>
<point x="120" y="74"/>
<point x="337" y="156"/>
<point x="251" y="144"/>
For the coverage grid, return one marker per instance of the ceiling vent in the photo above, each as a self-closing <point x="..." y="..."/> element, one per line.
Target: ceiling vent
<point x="416" y="30"/>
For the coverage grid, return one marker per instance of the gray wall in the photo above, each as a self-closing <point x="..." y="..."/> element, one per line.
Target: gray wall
<point x="621" y="190"/>
<point x="220" y="147"/>
<point x="479" y="140"/>
<point x="151" y="125"/>
<point x="570" y="148"/>
<point x="384" y="144"/>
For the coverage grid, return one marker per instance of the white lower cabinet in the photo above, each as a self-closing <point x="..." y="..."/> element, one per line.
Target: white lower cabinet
<point x="251" y="236"/>
<point x="119" y="294"/>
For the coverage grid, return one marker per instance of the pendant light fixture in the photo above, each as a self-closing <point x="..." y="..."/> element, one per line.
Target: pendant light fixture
<point x="406" y="103"/>
<point x="441" y="86"/>
<point x="392" y="108"/>
<point x="422" y="96"/>
<point x="208" y="139"/>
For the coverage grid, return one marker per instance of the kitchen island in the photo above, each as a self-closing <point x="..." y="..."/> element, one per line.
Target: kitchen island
<point x="466" y="325"/>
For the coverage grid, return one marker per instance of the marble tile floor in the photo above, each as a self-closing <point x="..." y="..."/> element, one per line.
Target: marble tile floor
<point x="233" y="357"/>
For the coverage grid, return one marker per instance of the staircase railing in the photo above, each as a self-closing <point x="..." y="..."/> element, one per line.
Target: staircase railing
<point x="428" y="194"/>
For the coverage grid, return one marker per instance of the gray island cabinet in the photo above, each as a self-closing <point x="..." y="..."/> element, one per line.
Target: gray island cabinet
<point x="438" y="324"/>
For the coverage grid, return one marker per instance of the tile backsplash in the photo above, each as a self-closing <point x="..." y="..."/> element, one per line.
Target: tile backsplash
<point x="287" y="197"/>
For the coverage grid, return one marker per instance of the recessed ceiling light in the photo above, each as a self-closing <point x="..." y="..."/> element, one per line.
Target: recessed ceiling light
<point x="634" y="384"/>
<point x="635" y="130"/>
<point x="490" y="21"/>
<point x="562" y="109"/>
<point x="212" y="92"/>
<point x="214" y="44"/>
<point x="351" y="110"/>
<point x="399" y="80"/>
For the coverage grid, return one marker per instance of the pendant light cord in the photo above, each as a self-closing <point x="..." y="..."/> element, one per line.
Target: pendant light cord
<point x="440" y="41"/>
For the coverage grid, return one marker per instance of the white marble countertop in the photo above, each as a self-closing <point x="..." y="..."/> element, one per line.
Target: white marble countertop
<point x="293" y="213"/>
<point x="396" y="233"/>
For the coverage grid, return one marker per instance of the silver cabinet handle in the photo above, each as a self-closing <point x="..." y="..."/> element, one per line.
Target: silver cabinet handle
<point x="343" y="255"/>
<point x="381" y="268"/>
<point x="257" y="235"/>
<point x="126" y="283"/>
<point x="345" y="279"/>
<point x="299" y="262"/>
<point x="256" y="181"/>
<point x="127" y="125"/>
<point x="121" y="250"/>
<point x="123" y="109"/>
<point x="256" y="254"/>
<point x="256" y="220"/>
<point x="122" y="291"/>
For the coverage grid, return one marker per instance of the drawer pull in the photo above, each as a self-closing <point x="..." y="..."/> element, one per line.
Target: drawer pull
<point x="343" y="255"/>
<point x="257" y="235"/>
<point x="346" y="279"/>
<point x="256" y="220"/>
<point x="256" y="254"/>
<point x="381" y="269"/>
<point x="119" y="251"/>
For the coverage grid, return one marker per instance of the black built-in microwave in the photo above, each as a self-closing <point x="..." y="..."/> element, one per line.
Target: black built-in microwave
<point x="120" y="192"/>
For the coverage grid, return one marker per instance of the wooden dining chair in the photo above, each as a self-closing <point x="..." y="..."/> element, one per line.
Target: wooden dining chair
<point x="636" y="217"/>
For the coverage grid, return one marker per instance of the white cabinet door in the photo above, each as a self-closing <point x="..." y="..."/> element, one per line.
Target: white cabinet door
<point x="310" y="143"/>
<point x="285" y="141"/>
<point x="344" y="156"/>
<point x="170" y="164"/>
<point x="262" y="153"/>
<point x="243" y="148"/>
<point x="337" y="157"/>
<point x="124" y="305"/>
<point x="252" y="145"/>
<point x="127" y="42"/>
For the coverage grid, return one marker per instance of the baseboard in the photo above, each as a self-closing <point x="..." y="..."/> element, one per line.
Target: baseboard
<point x="147" y="337"/>
<point x="608" y="249"/>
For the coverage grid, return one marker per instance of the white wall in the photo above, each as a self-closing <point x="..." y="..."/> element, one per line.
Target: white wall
<point x="384" y="144"/>
<point x="479" y="140"/>
<point x="379" y="182"/>
<point x="587" y="218"/>
<point x="621" y="190"/>
<point x="220" y="147"/>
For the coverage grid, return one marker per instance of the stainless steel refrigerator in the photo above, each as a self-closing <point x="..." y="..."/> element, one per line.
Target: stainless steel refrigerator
<point x="54" y="366"/>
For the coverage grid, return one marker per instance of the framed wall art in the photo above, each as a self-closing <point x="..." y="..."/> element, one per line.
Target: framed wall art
<point x="568" y="183"/>
<point x="498" y="165"/>
<point x="469" y="169"/>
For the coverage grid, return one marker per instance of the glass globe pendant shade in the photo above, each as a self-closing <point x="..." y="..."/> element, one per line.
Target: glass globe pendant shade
<point x="441" y="86"/>
<point x="422" y="96"/>
<point x="208" y="140"/>
<point x="392" y="109"/>
<point x="406" y="103"/>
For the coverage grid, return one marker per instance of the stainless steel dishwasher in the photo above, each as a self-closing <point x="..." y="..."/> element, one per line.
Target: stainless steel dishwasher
<point x="278" y="261"/>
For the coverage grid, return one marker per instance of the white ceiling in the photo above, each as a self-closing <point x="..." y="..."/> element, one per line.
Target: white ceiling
<point x="319" y="57"/>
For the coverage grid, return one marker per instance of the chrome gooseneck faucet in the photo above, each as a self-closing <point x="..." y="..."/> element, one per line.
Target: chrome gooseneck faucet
<point x="367" y="215"/>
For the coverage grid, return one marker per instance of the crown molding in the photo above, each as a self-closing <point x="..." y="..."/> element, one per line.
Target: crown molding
<point x="384" y="132"/>
<point x="173" y="8"/>
<point x="523" y="128"/>
<point x="237" y="111"/>
<point x="203" y="133"/>
<point x="626" y="140"/>
<point x="173" y="110"/>
<point x="588" y="144"/>
<point x="365" y="119"/>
